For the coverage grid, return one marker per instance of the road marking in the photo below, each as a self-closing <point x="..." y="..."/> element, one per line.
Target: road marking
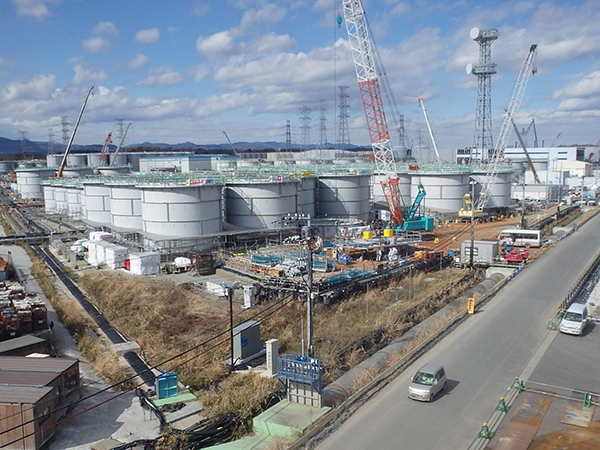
<point x="537" y="356"/>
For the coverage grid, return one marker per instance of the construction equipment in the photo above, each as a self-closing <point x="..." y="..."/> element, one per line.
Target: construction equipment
<point x="104" y="153"/>
<point x="527" y="69"/>
<point x="522" y="142"/>
<point x="368" y="83"/>
<point x="120" y="144"/>
<point x="435" y="147"/>
<point x="229" y="140"/>
<point x="63" y="163"/>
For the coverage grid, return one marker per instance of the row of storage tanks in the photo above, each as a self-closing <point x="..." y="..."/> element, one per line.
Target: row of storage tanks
<point x="201" y="206"/>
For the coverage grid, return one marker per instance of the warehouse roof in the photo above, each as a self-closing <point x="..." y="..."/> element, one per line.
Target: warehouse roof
<point x="23" y="394"/>
<point x="19" y="342"/>
<point x="21" y="363"/>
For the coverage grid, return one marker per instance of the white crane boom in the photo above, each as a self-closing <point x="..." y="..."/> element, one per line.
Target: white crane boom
<point x="364" y="62"/>
<point x="63" y="163"/>
<point x="527" y="69"/>
<point x="229" y="140"/>
<point x="524" y="147"/>
<point x="438" y="160"/>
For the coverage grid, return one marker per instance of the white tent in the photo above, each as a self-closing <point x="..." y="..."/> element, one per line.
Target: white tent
<point x="115" y="254"/>
<point x="147" y="263"/>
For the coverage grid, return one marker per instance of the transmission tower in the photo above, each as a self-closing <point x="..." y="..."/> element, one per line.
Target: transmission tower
<point x="483" y="71"/>
<point x="121" y="125"/>
<point x="344" y="131"/>
<point x="51" y="141"/>
<point x="405" y="149"/>
<point x="288" y="136"/>
<point x="322" y="125"/>
<point x="23" y="135"/>
<point x="305" y="125"/>
<point x="65" y="130"/>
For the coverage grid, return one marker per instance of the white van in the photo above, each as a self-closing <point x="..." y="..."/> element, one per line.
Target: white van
<point x="575" y="319"/>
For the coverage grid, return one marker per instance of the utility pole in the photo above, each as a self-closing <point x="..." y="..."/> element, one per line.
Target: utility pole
<point x="307" y="231"/>
<point x="523" y="206"/>
<point x="472" y="183"/>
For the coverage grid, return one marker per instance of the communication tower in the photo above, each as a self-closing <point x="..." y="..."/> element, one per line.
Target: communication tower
<point x="305" y="125"/>
<point x="483" y="71"/>
<point x="344" y="131"/>
<point x="121" y="125"/>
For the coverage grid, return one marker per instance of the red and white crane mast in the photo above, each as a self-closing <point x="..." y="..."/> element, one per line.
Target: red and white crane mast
<point x="368" y="83"/>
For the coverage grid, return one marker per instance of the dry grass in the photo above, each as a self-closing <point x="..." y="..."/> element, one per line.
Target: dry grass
<point x="241" y="392"/>
<point x="166" y="319"/>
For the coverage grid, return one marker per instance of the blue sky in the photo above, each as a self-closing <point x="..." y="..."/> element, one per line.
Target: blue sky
<point x="189" y="70"/>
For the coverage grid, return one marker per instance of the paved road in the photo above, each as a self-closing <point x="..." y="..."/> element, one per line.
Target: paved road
<point x="505" y="339"/>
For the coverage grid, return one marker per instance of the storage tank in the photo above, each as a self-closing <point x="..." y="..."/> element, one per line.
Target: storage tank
<point x="404" y="182"/>
<point x="500" y="190"/>
<point x="53" y="160"/>
<point x="182" y="211"/>
<point x="96" y="201"/>
<point x="28" y="182"/>
<point x="73" y="194"/>
<point x="261" y="204"/>
<point x="247" y="163"/>
<point x="60" y="196"/>
<point x="7" y="166"/>
<point x="113" y="170"/>
<point x="306" y="196"/>
<point x="344" y="196"/>
<point x="119" y="160"/>
<point x="93" y="159"/>
<point x="77" y="159"/>
<point x="444" y="192"/>
<point x="49" y="200"/>
<point x="126" y="206"/>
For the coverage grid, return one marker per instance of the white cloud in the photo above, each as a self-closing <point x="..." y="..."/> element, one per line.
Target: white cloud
<point x="97" y="44"/>
<point x="218" y="43"/>
<point x="272" y="42"/>
<point x="269" y="13"/>
<point x="149" y="36"/>
<point x="86" y="73"/>
<point x="200" y="73"/>
<point x="32" y="8"/>
<point x="401" y="10"/>
<point x="162" y="76"/>
<point x="137" y="61"/>
<point x="583" y="94"/>
<point x="38" y="87"/>
<point x="200" y="9"/>
<point x="107" y="28"/>
<point x="321" y="5"/>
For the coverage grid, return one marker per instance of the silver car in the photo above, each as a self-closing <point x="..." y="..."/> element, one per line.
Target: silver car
<point x="427" y="382"/>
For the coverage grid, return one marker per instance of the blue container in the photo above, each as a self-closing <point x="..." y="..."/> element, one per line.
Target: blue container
<point x="166" y="385"/>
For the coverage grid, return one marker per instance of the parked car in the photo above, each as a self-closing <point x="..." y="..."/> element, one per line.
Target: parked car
<point x="427" y="382"/>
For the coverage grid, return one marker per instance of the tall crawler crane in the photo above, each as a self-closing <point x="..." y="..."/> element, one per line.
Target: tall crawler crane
<point x="368" y="83"/>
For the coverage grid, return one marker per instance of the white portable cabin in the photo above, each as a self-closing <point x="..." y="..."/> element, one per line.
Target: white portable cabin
<point x="115" y="255"/>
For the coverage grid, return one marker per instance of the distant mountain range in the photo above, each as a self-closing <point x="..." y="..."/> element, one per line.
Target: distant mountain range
<point x="18" y="149"/>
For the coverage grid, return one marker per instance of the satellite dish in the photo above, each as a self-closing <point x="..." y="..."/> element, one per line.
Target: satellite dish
<point x="469" y="69"/>
<point x="475" y="33"/>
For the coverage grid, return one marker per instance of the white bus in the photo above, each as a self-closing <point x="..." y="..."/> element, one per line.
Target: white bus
<point x="520" y="238"/>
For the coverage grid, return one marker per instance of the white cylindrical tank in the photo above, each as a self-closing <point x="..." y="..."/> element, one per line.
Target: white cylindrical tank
<point x="93" y="159"/>
<point x="53" y="160"/>
<point x="306" y="196"/>
<point x="7" y="166"/>
<point x="186" y="211"/>
<point x="112" y="171"/>
<point x="247" y="163"/>
<point x="119" y="160"/>
<point x="28" y="182"/>
<point x="49" y="200"/>
<point x="60" y="196"/>
<point x="444" y="192"/>
<point x="500" y="190"/>
<point x="96" y="201"/>
<point x="126" y="206"/>
<point x="73" y="194"/>
<point x="404" y="182"/>
<point x="77" y="159"/>
<point x="261" y="204"/>
<point x="344" y="196"/>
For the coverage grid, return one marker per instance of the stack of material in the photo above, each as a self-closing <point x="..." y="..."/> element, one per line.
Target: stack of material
<point x="147" y="263"/>
<point x="102" y="252"/>
<point x="20" y="312"/>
